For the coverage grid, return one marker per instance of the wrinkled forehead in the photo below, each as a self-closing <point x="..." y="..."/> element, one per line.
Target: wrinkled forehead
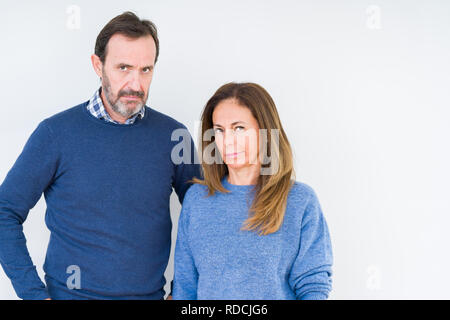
<point x="138" y="52"/>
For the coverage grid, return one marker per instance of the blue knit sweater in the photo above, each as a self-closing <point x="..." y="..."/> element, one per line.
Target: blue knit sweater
<point x="107" y="188"/>
<point x="214" y="259"/>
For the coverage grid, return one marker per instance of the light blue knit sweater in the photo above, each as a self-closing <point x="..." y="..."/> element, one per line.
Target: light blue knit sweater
<point x="214" y="259"/>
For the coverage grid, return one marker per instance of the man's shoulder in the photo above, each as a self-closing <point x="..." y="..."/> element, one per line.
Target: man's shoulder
<point x="163" y="119"/>
<point x="71" y="114"/>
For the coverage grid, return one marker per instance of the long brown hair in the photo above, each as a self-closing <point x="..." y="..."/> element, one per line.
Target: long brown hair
<point x="271" y="190"/>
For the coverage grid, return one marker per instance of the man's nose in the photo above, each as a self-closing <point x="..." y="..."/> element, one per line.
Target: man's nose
<point x="134" y="81"/>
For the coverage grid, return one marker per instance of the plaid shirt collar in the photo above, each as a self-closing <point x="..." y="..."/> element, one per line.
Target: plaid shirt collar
<point x="97" y="109"/>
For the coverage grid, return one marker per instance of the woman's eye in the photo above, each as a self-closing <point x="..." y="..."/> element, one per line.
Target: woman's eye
<point x="239" y="128"/>
<point x="217" y="130"/>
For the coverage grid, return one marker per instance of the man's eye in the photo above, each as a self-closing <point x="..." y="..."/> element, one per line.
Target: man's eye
<point x="123" y="68"/>
<point x="146" y="70"/>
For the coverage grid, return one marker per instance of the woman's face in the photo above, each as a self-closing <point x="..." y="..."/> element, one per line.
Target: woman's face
<point x="236" y="134"/>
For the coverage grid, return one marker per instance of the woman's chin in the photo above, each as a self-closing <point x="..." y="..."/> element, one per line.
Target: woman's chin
<point x="237" y="165"/>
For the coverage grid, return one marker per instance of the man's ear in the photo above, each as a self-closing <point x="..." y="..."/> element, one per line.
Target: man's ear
<point x="97" y="64"/>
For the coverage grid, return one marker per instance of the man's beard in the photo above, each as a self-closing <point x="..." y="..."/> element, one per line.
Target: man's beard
<point x="126" y="110"/>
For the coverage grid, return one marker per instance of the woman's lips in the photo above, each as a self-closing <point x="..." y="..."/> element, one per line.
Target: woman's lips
<point x="234" y="154"/>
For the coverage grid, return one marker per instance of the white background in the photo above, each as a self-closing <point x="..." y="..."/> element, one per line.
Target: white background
<point x="362" y="88"/>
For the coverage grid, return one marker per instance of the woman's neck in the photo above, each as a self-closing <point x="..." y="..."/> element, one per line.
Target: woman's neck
<point x="244" y="176"/>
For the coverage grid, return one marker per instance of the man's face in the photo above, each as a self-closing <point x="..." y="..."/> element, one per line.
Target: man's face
<point x="127" y="73"/>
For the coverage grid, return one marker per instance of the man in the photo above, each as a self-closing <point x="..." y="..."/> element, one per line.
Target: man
<point x="106" y="172"/>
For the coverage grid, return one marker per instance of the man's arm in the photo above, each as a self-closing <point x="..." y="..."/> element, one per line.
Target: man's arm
<point x="185" y="172"/>
<point x="185" y="271"/>
<point x="169" y="297"/>
<point x="30" y="175"/>
<point x="188" y="168"/>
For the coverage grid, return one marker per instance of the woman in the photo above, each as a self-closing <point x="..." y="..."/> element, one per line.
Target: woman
<point x="248" y="230"/>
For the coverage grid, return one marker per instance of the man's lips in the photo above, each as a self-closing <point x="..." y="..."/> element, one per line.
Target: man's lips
<point x="131" y="97"/>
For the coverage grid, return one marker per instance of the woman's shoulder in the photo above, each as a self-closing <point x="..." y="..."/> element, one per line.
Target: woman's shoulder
<point x="301" y="191"/>
<point x="195" y="192"/>
<point x="301" y="198"/>
<point x="196" y="203"/>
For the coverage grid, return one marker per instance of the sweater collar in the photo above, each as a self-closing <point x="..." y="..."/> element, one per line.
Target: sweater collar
<point x="236" y="187"/>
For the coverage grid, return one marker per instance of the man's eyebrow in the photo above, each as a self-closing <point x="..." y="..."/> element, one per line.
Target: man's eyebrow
<point x="128" y="66"/>
<point x="123" y="65"/>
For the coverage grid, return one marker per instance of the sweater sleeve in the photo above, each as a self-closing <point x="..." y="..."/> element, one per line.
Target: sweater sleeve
<point x="185" y="271"/>
<point x="185" y="159"/>
<point x="310" y="277"/>
<point x="30" y="175"/>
